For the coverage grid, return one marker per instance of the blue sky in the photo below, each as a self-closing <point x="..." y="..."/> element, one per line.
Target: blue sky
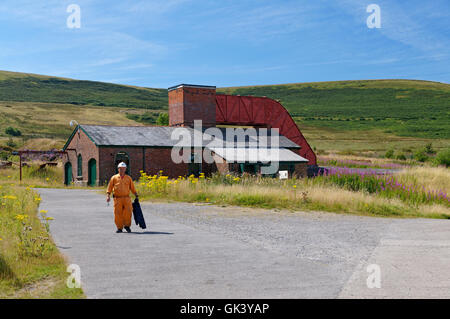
<point x="228" y="42"/>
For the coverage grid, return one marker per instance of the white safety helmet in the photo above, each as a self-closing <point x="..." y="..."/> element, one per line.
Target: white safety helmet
<point x="122" y="164"/>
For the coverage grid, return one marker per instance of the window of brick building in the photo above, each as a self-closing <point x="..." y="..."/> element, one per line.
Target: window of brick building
<point x="80" y="165"/>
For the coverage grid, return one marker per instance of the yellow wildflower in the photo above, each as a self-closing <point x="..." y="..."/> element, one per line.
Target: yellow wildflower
<point x="21" y="217"/>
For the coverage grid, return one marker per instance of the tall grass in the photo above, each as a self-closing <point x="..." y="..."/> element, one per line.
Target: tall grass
<point x="295" y="194"/>
<point x="427" y="177"/>
<point x="386" y="185"/>
<point x="28" y="255"/>
<point x="35" y="176"/>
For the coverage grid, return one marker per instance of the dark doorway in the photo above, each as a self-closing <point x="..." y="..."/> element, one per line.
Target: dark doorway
<point x="194" y="168"/>
<point x="250" y="168"/>
<point x="92" y="172"/>
<point x="68" y="173"/>
<point x="122" y="157"/>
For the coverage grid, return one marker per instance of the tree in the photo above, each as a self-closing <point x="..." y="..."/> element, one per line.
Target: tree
<point x="163" y="119"/>
<point x="13" y="131"/>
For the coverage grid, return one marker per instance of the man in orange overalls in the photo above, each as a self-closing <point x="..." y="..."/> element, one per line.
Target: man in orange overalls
<point x="121" y="185"/>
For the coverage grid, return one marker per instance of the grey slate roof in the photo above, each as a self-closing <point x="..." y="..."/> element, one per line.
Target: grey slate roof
<point x="154" y="136"/>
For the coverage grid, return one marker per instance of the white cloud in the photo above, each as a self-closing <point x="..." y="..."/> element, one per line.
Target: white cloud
<point x="404" y="23"/>
<point x="107" y="61"/>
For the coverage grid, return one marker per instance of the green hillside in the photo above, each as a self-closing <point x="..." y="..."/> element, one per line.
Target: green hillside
<point x="403" y="107"/>
<point x="22" y="87"/>
<point x="344" y="115"/>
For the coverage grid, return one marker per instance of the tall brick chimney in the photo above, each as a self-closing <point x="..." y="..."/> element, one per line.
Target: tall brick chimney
<point x="189" y="102"/>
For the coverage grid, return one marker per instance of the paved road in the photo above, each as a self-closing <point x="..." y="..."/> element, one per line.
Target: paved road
<point x="205" y="251"/>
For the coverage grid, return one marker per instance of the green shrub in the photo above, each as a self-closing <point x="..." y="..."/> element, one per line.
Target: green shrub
<point x="401" y="157"/>
<point x="4" y="155"/>
<point x="389" y="154"/>
<point x="421" y="156"/>
<point x="13" y="131"/>
<point x="11" y="143"/>
<point x="163" y="119"/>
<point x="443" y="158"/>
<point x="429" y="149"/>
<point x="146" y="118"/>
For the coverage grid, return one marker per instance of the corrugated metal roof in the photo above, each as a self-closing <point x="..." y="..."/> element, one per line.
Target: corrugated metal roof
<point x="241" y="155"/>
<point x="105" y="135"/>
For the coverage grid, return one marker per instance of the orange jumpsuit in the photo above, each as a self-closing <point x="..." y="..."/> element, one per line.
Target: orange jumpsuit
<point x="121" y="187"/>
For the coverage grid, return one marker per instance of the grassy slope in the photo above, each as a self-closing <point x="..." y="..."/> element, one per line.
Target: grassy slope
<point x="23" y="87"/>
<point x="51" y="120"/>
<point x="404" y="107"/>
<point x="359" y="115"/>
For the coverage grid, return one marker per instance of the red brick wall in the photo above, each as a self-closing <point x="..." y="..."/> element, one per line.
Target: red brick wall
<point x="84" y="146"/>
<point x="160" y="159"/>
<point x="187" y="104"/>
<point x="176" y="107"/>
<point x="107" y="165"/>
<point x="156" y="159"/>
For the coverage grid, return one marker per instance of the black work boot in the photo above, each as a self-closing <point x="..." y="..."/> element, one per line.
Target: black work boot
<point x="127" y="229"/>
<point x="119" y="231"/>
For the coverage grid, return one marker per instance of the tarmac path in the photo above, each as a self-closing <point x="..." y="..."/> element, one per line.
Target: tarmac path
<point x="207" y="251"/>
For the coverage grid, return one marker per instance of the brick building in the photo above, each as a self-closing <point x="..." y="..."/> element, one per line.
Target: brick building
<point x="93" y="151"/>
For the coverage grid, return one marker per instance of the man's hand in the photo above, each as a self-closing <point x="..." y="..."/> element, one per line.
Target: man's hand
<point x="108" y="198"/>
